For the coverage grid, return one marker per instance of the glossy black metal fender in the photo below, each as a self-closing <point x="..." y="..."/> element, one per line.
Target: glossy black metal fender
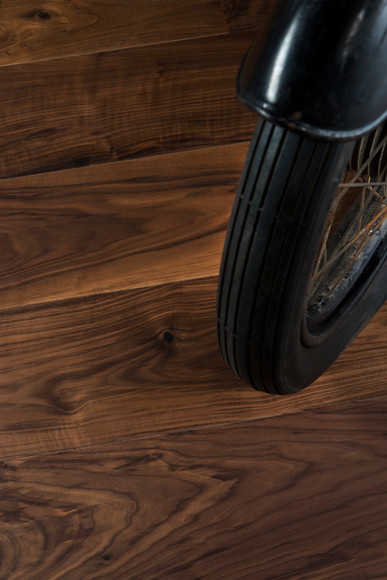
<point x="320" y="67"/>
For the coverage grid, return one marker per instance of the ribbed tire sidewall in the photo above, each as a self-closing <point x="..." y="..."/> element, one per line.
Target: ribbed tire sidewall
<point x="279" y="214"/>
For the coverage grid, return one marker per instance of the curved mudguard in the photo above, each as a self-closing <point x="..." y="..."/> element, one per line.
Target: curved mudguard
<point x="320" y="67"/>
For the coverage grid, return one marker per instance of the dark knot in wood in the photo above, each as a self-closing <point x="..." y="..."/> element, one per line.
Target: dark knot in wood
<point x="168" y="337"/>
<point x="43" y="15"/>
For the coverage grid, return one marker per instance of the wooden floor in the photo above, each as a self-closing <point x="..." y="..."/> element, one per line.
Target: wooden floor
<point x="128" y="449"/>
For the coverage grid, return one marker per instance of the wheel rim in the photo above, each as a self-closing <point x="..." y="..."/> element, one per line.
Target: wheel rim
<point x="355" y="232"/>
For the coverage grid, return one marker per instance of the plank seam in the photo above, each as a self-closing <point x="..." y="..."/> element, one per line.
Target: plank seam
<point x="210" y="426"/>
<point x="127" y="48"/>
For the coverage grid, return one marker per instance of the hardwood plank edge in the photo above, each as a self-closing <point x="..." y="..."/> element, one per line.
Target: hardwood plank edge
<point x="126" y="48"/>
<point x="130" y="160"/>
<point x="330" y="407"/>
<point x="39" y="305"/>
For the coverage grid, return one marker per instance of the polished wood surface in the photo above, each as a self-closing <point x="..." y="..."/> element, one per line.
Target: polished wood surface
<point x="131" y="364"/>
<point x="128" y="450"/>
<point x="116" y="226"/>
<point x="103" y="107"/>
<point x="33" y="30"/>
<point x="247" y="14"/>
<point x="298" y="497"/>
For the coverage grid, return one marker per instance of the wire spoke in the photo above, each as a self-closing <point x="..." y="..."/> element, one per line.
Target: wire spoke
<point x="359" y="210"/>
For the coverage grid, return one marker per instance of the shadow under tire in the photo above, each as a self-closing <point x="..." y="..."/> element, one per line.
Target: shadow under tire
<point x="281" y="208"/>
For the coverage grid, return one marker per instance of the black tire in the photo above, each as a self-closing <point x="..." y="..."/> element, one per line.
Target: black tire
<point x="281" y="208"/>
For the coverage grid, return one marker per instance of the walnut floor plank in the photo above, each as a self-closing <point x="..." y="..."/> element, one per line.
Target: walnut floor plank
<point x="116" y="226"/>
<point x="131" y="364"/>
<point x="248" y="14"/>
<point x="105" y="107"/>
<point x="302" y="496"/>
<point x="32" y="30"/>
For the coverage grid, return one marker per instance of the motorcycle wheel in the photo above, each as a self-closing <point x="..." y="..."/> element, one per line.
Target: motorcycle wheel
<point x="304" y="265"/>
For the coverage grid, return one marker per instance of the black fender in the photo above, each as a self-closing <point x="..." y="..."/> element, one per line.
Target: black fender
<point x="320" y="67"/>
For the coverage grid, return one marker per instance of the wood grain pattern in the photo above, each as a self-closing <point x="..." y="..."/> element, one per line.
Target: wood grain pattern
<point x="32" y="30"/>
<point x="79" y="111"/>
<point x="116" y="226"/>
<point x="125" y="111"/>
<point x="131" y="364"/>
<point x="247" y="14"/>
<point x="301" y="497"/>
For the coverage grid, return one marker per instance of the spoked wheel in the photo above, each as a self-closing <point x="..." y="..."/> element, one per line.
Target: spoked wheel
<point x="305" y="261"/>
